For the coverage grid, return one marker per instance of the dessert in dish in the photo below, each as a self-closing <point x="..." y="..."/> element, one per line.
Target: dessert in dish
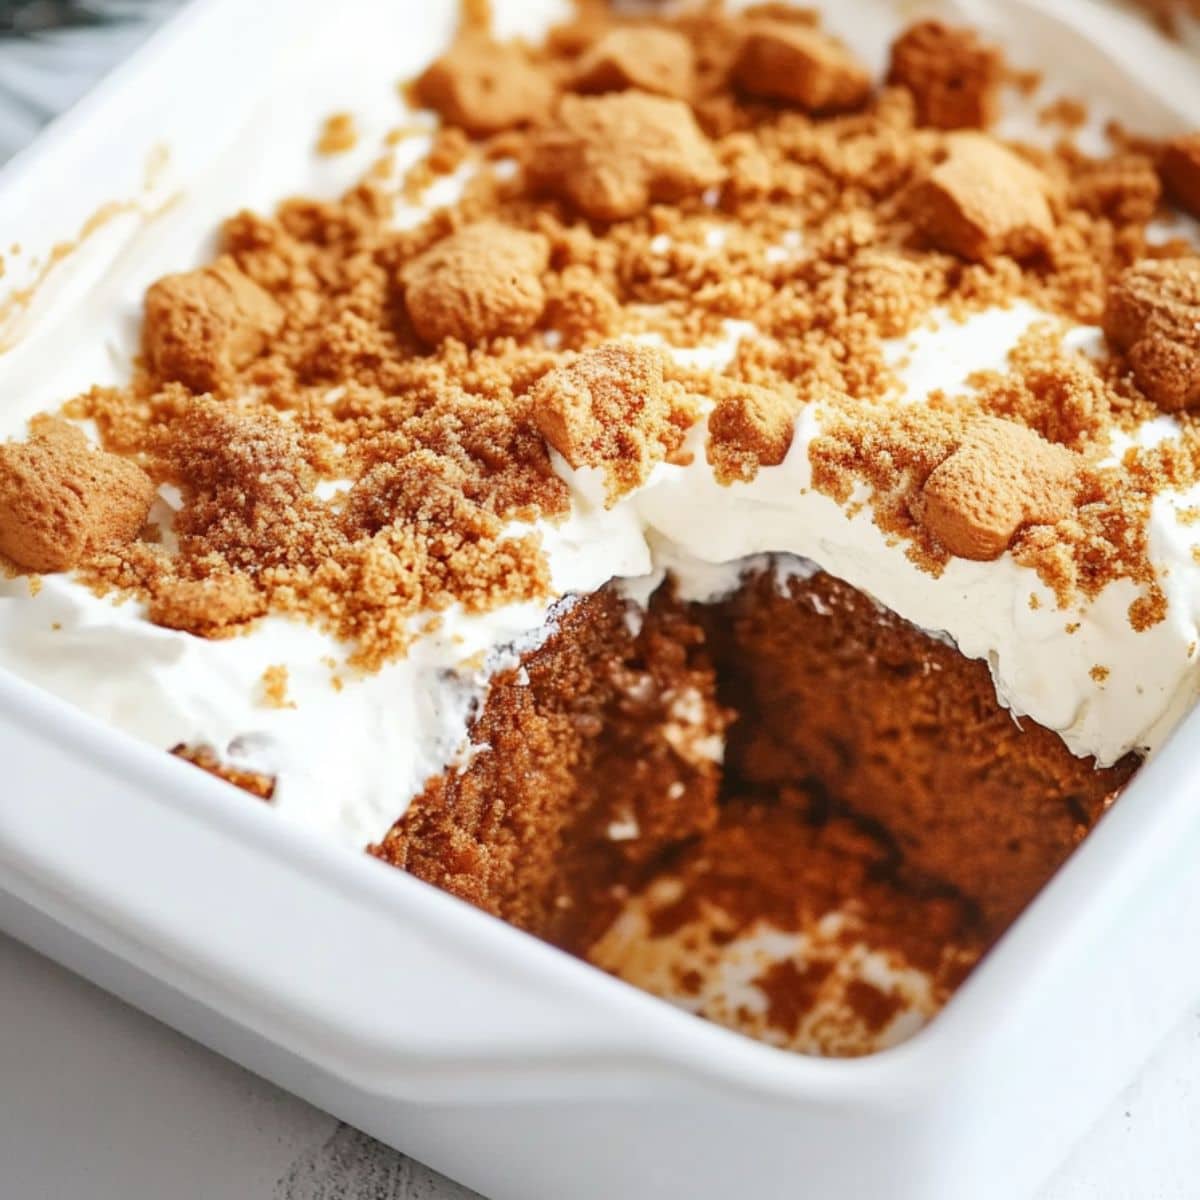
<point x="726" y="511"/>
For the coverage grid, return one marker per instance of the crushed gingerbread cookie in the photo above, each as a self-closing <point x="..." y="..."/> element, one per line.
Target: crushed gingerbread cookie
<point x="581" y="307"/>
<point x="748" y="428"/>
<point x="338" y="134"/>
<point x="200" y="326"/>
<point x="1153" y="317"/>
<point x="1065" y="111"/>
<point x="1180" y="168"/>
<point x="612" y="408"/>
<point x="647" y="59"/>
<point x="983" y="201"/>
<point x="1123" y="187"/>
<point x="953" y="76"/>
<point x="275" y="687"/>
<point x="204" y="757"/>
<point x="484" y="86"/>
<point x="1003" y="476"/>
<point x="788" y="61"/>
<point x="612" y="156"/>
<point x="217" y="606"/>
<point x="483" y="281"/>
<point x="62" y="498"/>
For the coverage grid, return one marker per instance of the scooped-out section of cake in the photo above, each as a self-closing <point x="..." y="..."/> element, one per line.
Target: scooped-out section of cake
<point x="788" y="810"/>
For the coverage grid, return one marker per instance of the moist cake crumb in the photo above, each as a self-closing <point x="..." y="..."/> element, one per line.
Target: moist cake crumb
<point x="204" y="757"/>
<point x="953" y="76"/>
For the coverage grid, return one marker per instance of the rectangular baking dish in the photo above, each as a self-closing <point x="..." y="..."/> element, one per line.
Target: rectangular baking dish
<point x="431" y="1026"/>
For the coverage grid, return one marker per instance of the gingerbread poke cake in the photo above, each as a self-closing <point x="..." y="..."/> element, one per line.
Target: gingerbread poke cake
<point x="722" y="504"/>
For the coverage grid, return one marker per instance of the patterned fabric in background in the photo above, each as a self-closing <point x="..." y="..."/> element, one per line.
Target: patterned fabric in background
<point x="52" y="51"/>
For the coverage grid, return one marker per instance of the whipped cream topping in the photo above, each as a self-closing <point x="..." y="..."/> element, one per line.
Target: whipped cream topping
<point x="349" y="758"/>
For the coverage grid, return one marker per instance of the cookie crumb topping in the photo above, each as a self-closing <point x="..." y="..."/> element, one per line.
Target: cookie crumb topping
<point x="1002" y="477"/>
<point x="645" y="59"/>
<point x="201" y="326"/>
<point x="613" y="408"/>
<point x="799" y="64"/>
<point x="954" y="77"/>
<point x="62" y="498"/>
<point x="481" y="282"/>
<point x="354" y="412"/>
<point x="983" y="201"/>
<point x="1153" y="317"/>
<point x="612" y="156"/>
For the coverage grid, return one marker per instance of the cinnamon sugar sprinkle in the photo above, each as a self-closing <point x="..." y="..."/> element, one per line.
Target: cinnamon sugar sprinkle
<point x="353" y="413"/>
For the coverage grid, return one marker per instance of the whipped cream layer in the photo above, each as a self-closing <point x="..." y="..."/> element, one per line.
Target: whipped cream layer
<point x="349" y="758"/>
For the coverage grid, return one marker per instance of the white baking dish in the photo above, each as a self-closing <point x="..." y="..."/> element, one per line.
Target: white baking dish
<point x="431" y="1026"/>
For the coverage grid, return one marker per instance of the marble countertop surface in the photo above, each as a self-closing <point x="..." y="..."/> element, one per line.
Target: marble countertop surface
<point x="99" y="1102"/>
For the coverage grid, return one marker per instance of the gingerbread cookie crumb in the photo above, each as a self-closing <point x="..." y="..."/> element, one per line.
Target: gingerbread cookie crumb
<point x="62" y="498"/>
<point x="983" y="201"/>
<point x="254" y="782"/>
<point x="1124" y="188"/>
<point x="338" y="134"/>
<point x="484" y="86"/>
<point x="612" y="156"/>
<point x="481" y="282"/>
<point x="1180" y="168"/>
<point x="953" y="76"/>
<point x="213" y="607"/>
<point x="750" y="427"/>
<point x="202" y="325"/>
<point x="795" y="63"/>
<point x="1003" y="476"/>
<point x="275" y="687"/>
<point x="1066" y="112"/>
<point x="650" y="60"/>
<point x="612" y="408"/>
<point x="1153" y="317"/>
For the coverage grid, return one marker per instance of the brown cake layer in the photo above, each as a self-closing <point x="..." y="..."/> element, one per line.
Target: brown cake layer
<point x="898" y="727"/>
<point x="868" y="769"/>
<point x="611" y="732"/>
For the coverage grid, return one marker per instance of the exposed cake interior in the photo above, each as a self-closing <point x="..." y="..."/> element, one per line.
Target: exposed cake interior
<point x="789" y="810"/>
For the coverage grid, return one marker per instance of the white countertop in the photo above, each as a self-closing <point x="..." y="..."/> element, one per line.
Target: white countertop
<point x="98" y="1102"/>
